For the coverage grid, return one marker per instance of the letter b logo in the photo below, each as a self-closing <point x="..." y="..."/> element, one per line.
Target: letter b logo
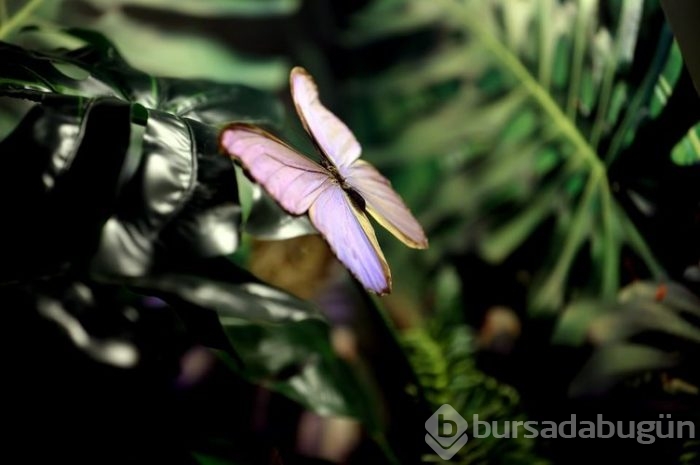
<point x="446" y="428"/>
<point x="446" y="432"/>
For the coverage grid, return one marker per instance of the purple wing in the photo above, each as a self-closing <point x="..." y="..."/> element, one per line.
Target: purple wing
<point x="293" y="180"/>
<point x="332" y="135"/>
<point x="351" y="237"/>
<point x="384" y="204"/>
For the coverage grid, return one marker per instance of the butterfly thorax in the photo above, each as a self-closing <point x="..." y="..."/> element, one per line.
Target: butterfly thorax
<point x="355" y="196"/>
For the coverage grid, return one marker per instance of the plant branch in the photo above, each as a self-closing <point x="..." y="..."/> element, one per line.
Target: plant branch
<point x="543" y="98"/>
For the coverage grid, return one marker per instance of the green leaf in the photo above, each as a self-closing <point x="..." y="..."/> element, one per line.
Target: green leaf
<point x="640" y="307"/>
<point x="167" y="50"/>
<point x="664" y="313"/>
<point x="244" y="8"/>
<point x="549" y="102"/>
<point x="613" y="364"/>
<point x="11" y="113"/>
<point x="205" y="58"/>
<point x="687" y="151"/>
<point x="268" y="221"/>
<point x="279" y="341"/>
<point x="154" y="207"/>
<point x="178" y="125"/>
<point x="574" y="322"/>
<point x="667" y="80"/>
<point x="296" y="359"/>
<point x="62" y="134"/>
<point x="98" y="70"/>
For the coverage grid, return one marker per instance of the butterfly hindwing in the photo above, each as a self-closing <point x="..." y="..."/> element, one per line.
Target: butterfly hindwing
<point x="332" y="135"/>
<point x="384" y="204"/>
<point x="351" y="237"/>
<point x="290" y="178"/>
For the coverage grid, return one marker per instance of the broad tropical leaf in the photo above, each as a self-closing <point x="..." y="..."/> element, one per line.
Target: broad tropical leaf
<point x="155" y="198"/>
<point x="521" y="108"/>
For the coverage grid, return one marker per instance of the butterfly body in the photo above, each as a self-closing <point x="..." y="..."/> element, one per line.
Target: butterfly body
<point x="355" y="196"/>
<point x="338" y="193"/>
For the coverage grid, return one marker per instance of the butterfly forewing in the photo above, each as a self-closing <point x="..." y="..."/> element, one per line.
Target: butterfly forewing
<point x="384" y="204"/>
<point x="336" y="201"/>
<point x="289" y="177"/>
<point x="333" y="137"/>
<point x="351" y="237"/>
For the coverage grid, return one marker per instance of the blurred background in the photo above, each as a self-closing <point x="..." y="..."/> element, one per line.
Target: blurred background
<point x="161" y="308"/>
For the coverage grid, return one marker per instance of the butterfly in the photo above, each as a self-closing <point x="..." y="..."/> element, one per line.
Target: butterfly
<point x="338" y="193"/>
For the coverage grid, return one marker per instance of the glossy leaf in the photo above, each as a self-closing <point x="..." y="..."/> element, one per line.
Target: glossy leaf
<point x="278" y="340"/>
<point x="98" y="70"/>
<point x="155" y="208"/>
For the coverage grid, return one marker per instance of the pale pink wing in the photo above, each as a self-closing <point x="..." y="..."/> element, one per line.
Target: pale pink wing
<point x="332" y="136"/>
<point x="384" y="204"/>
<point x="351" y="237"/>
<point x="290" y="178"/>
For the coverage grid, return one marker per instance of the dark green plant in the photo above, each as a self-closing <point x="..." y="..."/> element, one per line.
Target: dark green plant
<point x="126" y="187"/>
<point x="443" y="355"/>
<point x="521" y="110"/>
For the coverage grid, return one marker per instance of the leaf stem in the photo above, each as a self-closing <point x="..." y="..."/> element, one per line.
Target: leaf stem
<point x="610" y="279"/>
<point x="639" y="245"/>
<point x="546" y="43"/>
<point x="584" y="10"/>
<point x="536" y="91"/>
<point x="603" y="103"/>
<point x="548" y="296"/>
<point x="18" y="18"/>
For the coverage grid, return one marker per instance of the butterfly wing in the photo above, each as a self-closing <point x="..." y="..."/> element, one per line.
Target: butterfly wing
<point x="333" y="137"/>
<point x="384" y="204"/>
<point x="351" y="237"/>
<point x="338" y="143"/>
<point x="298" y="184"/>
<point x="293" y="180"/>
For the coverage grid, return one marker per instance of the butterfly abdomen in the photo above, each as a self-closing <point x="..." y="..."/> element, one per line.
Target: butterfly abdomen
<point x="355" y="197"/>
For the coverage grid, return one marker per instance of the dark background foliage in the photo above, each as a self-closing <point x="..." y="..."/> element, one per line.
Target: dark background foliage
<point x="160" y="309"/>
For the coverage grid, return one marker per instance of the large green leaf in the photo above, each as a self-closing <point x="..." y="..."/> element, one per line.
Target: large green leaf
<point x="279" y="341"/>
<point x="166" y="51"/>
<point x="125" y="184"/>
<point x="98" y="70"/>
<point x="521" y="108"/>
<point x="160" y="48"/>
